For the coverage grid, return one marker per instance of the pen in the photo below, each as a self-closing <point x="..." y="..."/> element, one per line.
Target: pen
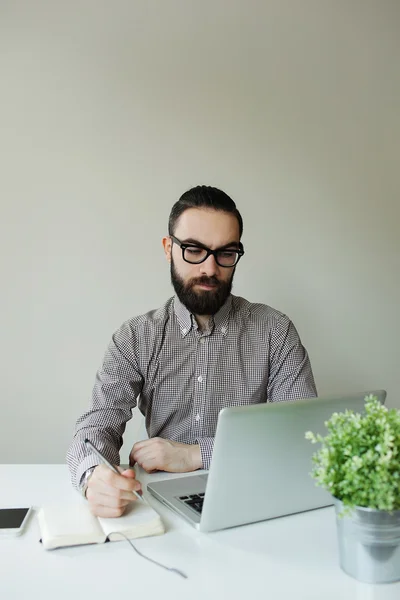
<point x="103" y="459"/>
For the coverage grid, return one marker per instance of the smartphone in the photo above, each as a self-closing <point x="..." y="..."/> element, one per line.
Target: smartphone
<point x="13" y="520"/>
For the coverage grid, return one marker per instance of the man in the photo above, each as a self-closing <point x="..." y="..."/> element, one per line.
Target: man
<point x="203" y="350"/>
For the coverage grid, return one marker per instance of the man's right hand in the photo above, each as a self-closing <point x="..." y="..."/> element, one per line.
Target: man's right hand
<point x="109" y="494"/>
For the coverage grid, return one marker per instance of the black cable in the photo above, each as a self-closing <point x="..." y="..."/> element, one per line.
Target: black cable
<point x="177" y="571"/>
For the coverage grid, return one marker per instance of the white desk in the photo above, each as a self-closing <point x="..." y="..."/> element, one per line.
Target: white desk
<point x="289" y="558"/>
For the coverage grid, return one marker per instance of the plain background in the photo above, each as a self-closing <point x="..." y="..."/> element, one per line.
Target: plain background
<point x="109" y="111"/>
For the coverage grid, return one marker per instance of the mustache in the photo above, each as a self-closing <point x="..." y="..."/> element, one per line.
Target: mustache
<point x="204" y="281"/>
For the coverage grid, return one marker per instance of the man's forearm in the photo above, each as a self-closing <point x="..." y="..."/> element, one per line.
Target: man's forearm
<point x="118" y="384"/>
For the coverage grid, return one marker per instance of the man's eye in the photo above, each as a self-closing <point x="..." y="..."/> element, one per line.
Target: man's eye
<point x="227" y="253"/>
<point x="195" y="251"/>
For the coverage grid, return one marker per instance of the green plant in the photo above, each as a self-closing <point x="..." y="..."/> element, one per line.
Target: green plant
<point x="359" y="459"/>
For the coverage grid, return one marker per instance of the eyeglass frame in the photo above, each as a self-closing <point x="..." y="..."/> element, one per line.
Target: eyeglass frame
<point x="239" y="251"/>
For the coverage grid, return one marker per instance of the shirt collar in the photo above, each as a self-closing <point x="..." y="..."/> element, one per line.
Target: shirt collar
<point x="186" y="320"/>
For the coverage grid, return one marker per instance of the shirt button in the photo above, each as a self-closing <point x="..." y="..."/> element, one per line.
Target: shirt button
<point x="197" y="417"/>
<point x="200" y="379"/>
<point x="184" y="331"/>
<point x="223" y="329"/>
<point x="202" y="340"/>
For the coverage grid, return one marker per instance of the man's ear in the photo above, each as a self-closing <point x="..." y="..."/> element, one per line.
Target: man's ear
<point x="167" y="245"/>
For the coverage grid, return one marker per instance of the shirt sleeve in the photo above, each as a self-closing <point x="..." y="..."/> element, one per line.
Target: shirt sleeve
<point x="206" y="449"/>
<point x="117" y="386"/>
<point x="290" y="374"/>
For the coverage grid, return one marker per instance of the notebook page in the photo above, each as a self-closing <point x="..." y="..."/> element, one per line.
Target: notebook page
<point x="139" y="519"/>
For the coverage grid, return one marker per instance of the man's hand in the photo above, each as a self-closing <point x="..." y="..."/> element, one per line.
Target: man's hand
<point x="158" y="454"/>
<point x="109" y="494"/>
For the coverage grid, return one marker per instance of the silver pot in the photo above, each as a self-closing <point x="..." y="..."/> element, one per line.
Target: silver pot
<point x="369" y="543"/>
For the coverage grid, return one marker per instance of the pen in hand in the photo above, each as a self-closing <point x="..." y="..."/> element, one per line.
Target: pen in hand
<point x="103" y="460"/>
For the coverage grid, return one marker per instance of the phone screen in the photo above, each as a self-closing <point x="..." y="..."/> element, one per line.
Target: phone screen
<point x="12" y="518"/>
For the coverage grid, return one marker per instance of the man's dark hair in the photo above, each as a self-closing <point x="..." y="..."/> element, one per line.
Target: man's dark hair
<point x="203" y="196"/>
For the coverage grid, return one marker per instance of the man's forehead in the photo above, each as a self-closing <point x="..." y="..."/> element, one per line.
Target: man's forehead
<point x="212" y="228"/>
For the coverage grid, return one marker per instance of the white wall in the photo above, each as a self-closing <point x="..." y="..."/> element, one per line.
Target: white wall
<point x="110" y="110"/>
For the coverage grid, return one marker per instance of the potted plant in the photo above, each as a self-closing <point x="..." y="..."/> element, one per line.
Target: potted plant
<point x="359" y="464"/>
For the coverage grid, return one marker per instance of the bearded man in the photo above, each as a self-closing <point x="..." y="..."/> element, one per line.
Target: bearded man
<point x="203" y="350"/>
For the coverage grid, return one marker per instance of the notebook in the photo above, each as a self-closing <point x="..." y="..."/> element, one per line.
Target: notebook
<point x="74" y="525"/>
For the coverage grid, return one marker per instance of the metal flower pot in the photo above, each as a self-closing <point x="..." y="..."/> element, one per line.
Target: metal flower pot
<point x="369" y="543"/>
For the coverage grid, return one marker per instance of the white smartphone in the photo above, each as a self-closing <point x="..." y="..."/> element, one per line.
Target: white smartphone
<point x="13" y="520"/>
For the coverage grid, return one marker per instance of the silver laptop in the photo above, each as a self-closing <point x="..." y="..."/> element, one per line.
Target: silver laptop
<point x="261" y="464"/>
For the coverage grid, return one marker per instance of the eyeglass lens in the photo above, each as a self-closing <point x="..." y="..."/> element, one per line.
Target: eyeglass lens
<point x="226" y="258"/>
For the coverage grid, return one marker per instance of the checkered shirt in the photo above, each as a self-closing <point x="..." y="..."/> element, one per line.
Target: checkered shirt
<point x="181" y="377"/>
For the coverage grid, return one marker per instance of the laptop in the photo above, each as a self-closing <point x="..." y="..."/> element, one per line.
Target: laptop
<point x="261" y="464"/>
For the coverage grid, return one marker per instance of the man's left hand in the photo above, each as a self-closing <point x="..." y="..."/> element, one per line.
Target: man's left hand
<point x="158" y="454"/>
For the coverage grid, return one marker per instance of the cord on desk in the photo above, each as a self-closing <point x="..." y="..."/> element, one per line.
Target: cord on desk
<point x="177" y="571"/>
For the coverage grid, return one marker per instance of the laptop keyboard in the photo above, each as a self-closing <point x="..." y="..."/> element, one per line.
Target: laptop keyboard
<point x="195" y="501"/>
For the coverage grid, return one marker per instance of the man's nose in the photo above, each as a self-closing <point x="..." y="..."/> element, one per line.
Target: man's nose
<point x="209" y="267"/>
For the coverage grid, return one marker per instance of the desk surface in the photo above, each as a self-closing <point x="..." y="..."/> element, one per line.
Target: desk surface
<point x="289" y="558"/>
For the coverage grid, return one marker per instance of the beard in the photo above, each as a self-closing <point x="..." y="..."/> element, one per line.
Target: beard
<point x="201" y="302"/>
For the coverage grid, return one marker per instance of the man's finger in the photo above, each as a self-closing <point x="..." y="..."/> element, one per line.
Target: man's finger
<point x="137" y="446"/>
<point x="113" y="480"/>
<point x="146" y="454"/>
<point x="99" y="487"/>
<point x="144" y="443"/>
<point x="150" y="466"/>
<point x="98" y="498"/>
<point x="106" y="511"/>
<point x="149" y="461"/>
<point x="150" y="469"/>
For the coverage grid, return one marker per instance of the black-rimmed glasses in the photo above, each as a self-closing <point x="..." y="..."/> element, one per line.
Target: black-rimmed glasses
<point x="194" y="254"/>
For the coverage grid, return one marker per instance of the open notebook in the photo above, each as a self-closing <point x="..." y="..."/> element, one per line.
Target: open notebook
<point x="74" y="525"/>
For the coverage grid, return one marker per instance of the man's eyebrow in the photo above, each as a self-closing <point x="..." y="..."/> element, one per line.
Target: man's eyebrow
<point x="197" y="243"/>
